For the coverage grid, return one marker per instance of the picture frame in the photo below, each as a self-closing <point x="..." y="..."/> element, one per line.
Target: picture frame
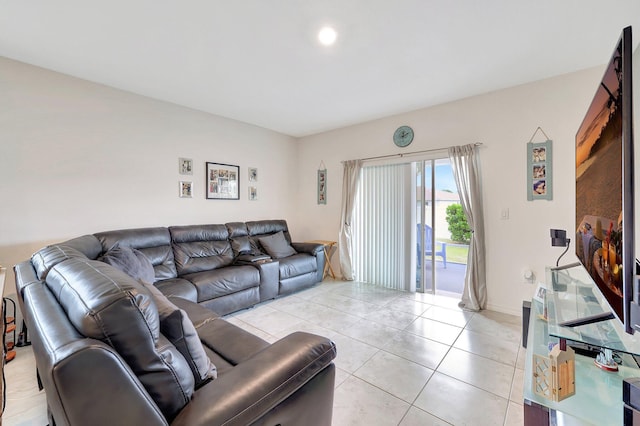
<point x="253" y="174"/>
<point x="185" y="189"/>
<point x="185" y="166"/>
<point x="322" y="186"/>
<point x="253" y="193"/>
<point x="223" y="181"/>
<point x="541" y="293"/>
<point x="539" y="171"/>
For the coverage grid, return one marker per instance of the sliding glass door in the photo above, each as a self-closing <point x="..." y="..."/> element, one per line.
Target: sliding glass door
<point x="440" y="248"/>
<point x="400" y="228"/>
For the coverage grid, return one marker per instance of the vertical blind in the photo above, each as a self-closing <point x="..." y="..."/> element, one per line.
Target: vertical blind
<point x="382" y="226"/>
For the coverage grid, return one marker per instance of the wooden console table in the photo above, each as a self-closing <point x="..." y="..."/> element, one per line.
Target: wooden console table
<point x="329" y="249"/>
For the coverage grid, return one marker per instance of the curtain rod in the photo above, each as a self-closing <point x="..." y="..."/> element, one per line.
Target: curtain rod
<point x="402" y="154"/>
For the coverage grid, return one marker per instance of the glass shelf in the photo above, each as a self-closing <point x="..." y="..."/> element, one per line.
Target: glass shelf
<point x="598" y="398"/>
<point x="572" y="294"/>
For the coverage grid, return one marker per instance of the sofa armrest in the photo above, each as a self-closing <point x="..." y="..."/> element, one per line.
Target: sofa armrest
<point x="316" y="250"/>
<point x="254" y="387"/>
<point x="269" y="274"/>
<point x="311" y="248"/>
<point x="252" y="258"/>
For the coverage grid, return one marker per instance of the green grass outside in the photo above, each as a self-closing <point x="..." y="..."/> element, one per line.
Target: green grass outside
<point x="456" y="253"/>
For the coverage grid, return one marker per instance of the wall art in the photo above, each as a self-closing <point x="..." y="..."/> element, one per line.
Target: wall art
<point x="253" y="174"/>
<point x="185" y="166"/>
<point x="185" y="189"/>
<point x="223" y="181"/>
<point x="253" y="193"/>
<point x="322" y="186"/>
<point x="539" y="171"/>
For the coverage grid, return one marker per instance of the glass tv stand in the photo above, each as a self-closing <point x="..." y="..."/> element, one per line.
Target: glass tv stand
<point x="572" y="295"/>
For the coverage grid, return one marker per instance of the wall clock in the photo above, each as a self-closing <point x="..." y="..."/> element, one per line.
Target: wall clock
<point x="403" y="136"/>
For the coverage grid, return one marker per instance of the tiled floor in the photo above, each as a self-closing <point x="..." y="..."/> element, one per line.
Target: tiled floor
<point x="403" y="359"/>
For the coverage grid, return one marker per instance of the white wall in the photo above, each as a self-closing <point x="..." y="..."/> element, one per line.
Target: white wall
<point x="504" y="122"/>
<point x="77" y="158"/>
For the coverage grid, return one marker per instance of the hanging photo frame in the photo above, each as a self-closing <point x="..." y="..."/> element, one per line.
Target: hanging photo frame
<point x="539" y="171"/>
<point x="322" y="185"/>
<point x="223" y="181"/>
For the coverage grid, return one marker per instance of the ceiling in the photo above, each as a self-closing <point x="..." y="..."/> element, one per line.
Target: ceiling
<point x="258" y="61"/>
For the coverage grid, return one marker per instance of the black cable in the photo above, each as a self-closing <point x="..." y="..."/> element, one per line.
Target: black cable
<point x="564" y="252"/>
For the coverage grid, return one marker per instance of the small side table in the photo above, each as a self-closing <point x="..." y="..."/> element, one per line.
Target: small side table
<point x="329" y="249"/>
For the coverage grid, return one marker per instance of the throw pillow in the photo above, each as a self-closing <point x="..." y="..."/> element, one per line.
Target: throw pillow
<point x="277" y="246"/>
<point x="176" y="326"/>
<point x="179" y="329"/>
<point x="132" y="262"/>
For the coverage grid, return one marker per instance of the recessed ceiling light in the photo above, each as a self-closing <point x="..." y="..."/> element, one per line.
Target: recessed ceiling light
<point x="327" y="36"/>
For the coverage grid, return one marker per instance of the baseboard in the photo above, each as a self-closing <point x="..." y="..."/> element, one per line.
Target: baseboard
<point x="504" y="310"/>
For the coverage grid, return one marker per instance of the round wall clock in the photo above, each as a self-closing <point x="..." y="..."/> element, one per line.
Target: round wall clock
<point x="403" y="136"/>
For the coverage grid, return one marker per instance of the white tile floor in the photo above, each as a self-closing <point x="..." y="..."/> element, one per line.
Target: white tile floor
<point x="403" y="359"/>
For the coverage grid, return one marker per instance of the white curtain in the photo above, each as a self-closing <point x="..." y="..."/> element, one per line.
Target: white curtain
<point x="466" y="170"/>
<point x="350" y="181"/>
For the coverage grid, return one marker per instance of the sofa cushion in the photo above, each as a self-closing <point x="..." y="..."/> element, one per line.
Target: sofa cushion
<point x="267" y="227"/>
<point x="298" y="264"/>
<point x="224" y="281"/>
<point x="132" y="262"/>
<point x="87" y="244"/>
<point x="155" y="243"/>
<point x="221" y="337"/>
<point x="241" y="245"/>
<point x="198" y="248"/>
<point x="176" y="326"/>
<point x="178" y="287"/>
<point x="277" y="246"/>
<point x="104" y="303"/>
<point x="45" y="259"/>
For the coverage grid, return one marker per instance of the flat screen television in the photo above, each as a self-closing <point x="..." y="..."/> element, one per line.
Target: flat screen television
<point x="604" y="185"/>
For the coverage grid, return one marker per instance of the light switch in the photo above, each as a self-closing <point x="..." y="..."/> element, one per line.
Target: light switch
<point x="504" y="214"/>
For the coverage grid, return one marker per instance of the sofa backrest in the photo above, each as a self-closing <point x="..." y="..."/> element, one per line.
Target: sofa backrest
<point x="262" y="228"/>
<point x="155" y="243"/>
<point x="199" y="248"/>
<point x="106" y="304"/>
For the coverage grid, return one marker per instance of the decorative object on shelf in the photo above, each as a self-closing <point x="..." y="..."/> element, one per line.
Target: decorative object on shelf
<point x="403" y="136"/>
<point x="605" y="360"/>
<point x="223" y="181"/>
<point x="322" y="183"/>
<point x="539" y="169"/>
<point x="554" y="376"/>
<point x="185" y="166"/>
<point x="253" y="193"/>
<point x="253" y="174"/>
<point x="185" y="189"/>
<point x="541" y="296"/>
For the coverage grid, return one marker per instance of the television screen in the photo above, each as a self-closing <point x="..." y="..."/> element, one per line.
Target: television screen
<point x="604" y="184"/>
